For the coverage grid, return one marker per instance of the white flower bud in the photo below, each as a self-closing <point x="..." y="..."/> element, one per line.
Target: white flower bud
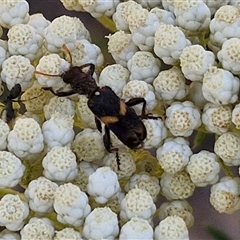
<point x="64" y="30"/>
<point x="14" y="12"/>
<point x="216" y="118"/>
<point x="170" y="85"/>
<point x="3" y="134"/>
<point x="9" y="235"/>
<point x="182" y="118"/>
<point x="72" y="5"/>
<point x="71" y="204"/>
<point x="143" y="66"/>
<point x="26" y="138"/>
<point x="60" y="164"/>
<point x="121" y="47"/>
<point x="103" y="185"/>
<point x="220" y="86"/>
<point x="224" y="195"/>
<point x="203" y="168"/>
<point x="177" y="186"/>
<point x="227" y="148"/>
<point x="3" y="51"/>
<point x="101" y="223"/>
<point x="163" y="16"/>
<point x="17" y="69"/>
<point x="11" y="169"/>
<point x="88" y="145"/>
<point x="67" y="233"/>
<point x="143" y="25"/>
<point x="195" y="61"/>
<point x="13" y="212"/>
<point x="40" y="195"/>
<point x="137" y="203"/>
<point x="174" y="155"/>
<point x="58" y="130"/>
<point x="172" y="227"/>
<point x="38" y="228"/>
<point x="123" y="10"/>
<point x="146" y="182"/>
<point x="39" y="22"/>
<point x="179" y="208"/>
<point x="169" y="43"/>
<point x="115" y="76"/>
<point x="140" y="89"/>
<point x="136" y="228"/>
<point x="51" y="64"/>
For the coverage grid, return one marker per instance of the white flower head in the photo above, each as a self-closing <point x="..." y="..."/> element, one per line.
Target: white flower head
<point x="64" y="30"/>
<point x="71" y="204"/>
<point x="84" y="115"/>
<point x="224" y="195"/>
<point x="86" y="52"/>
<point x="227" y="148"/>
<point x="136" y="228"/>
<point x="39" y="22"/>
<point x="236" y="116"/>
<point x="11" y="169"/>
<point x="126" y="166"/>
<point x="60" y="164"/>
<point x="5" y="129"/>
<point x="220" y="86"/>
<point x="26" y="138"/>
<point x="38" y="228"/>
<point x="115" y="76"/>
<point x="229" y="57"/>
<point x="146" y="182"/>
<point x="143" y="25"/>
<point x="13" y="212"/>
<point x="58" y="130"/>
<point x="13" y="12"/>
<point x="169" y="43"/>
<point x="23" y="39"/>
<point x="40" y="195"/>
<point x="139" y="203"/>
<point x="223" y="26"/>
<point x="174" y="155"/>
<point x="17" y="69"/>
<point x="143" y="66"/>
<point x="4" y="54"/>
<point x="9" y="235"/>
<point x="140" y="89"/>
<point x="179" y="208"/>
<point x="51" y="64"/>
<point x="121" y="47"/>
<point x="216" y="118"/>
<point x="72" y="5"/>
<point x="192" y="15"/>
<point x="88" y="145"/>
<point x="103" y="185"/>
<point x="172" y="227"/>
<point x="195" y="61"/>
<point x="101" y="223"/>
<point x="68" y="233"/>
<point x="123" y="10"/>
<point x="203" y="168"/>
<point x="182" y="118"/>
<point x="156" y="132"/>
<point x="59" y="104"/>
<point x="176" y="186"/>
<point x="170" y="85"/>
<point x="98" y="8"/>
<point x="164" y="16"/>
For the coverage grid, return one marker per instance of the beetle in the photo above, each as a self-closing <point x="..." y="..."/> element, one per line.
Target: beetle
<point x="9" y="114"/>
<point x="117" y="115"/>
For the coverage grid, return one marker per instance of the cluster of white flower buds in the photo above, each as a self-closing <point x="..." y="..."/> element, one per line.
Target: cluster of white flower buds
<point x="182" y="57"/>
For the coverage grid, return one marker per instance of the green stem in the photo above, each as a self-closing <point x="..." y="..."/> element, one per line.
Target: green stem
<point x="107" y="23"/>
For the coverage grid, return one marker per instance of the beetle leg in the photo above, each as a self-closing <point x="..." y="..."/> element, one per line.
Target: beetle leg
<point x="106" y="139"/>
<point x="60" y="94"/>
<point x="98" y="124"/>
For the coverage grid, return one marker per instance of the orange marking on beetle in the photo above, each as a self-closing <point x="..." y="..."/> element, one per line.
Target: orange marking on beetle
<point x="109" y="119"/>
<point x="123" y="108"/>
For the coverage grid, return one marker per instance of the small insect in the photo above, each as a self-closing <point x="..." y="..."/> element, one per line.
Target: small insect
<point x="117" y="115"/>
<point x="8" y="112"/>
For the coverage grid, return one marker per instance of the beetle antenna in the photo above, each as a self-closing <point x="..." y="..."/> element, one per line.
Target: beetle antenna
<point x="65" y="48"/>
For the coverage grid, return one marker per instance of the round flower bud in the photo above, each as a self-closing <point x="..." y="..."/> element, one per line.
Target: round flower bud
<point x="68" y="233"/>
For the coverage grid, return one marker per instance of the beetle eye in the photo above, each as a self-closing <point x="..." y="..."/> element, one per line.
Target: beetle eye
<point x="97" y="93"/>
